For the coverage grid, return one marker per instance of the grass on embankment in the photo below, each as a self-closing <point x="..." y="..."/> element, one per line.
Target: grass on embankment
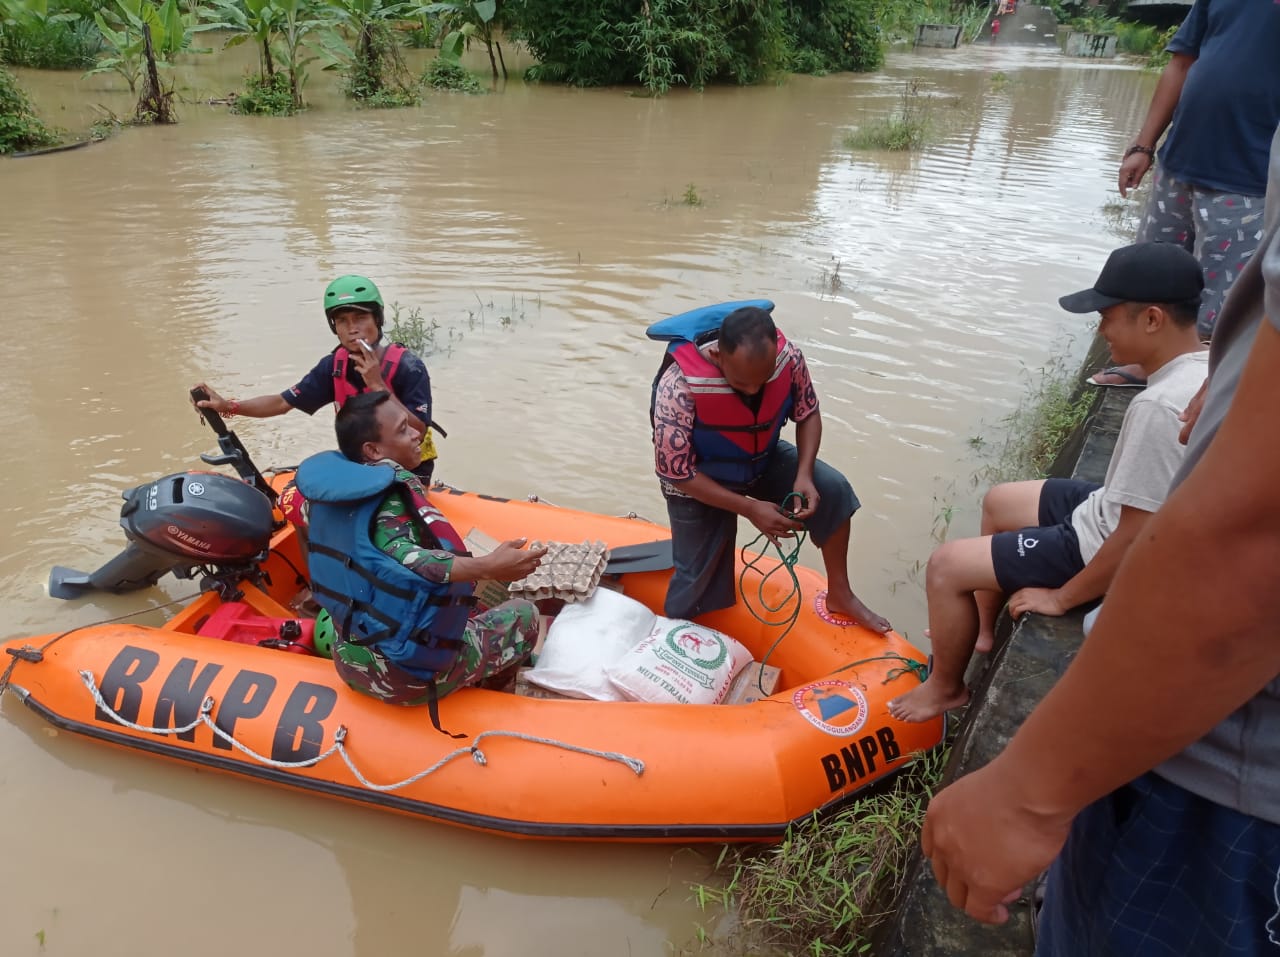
<point x="825" y="889"/>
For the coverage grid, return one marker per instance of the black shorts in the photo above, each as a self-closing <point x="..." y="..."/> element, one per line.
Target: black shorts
<point x="1047" y="556"/>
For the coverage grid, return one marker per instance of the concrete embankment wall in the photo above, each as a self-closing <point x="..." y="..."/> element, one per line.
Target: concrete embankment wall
<point x="1007" y="686"/>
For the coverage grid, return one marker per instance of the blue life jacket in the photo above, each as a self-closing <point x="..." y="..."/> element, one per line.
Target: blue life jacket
<point x="733" y="439"/>
<point x="372" y="598"/>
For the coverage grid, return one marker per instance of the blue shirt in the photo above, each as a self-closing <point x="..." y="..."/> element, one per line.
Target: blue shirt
<point x="411" y="385"/>
<point x="1221" y="132"/>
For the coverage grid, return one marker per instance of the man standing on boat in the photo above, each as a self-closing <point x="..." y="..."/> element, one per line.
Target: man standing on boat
<point x="727" y="385"/>
<point x="363" y="362"/>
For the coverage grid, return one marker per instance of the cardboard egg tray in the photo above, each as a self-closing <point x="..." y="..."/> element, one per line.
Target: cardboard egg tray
<point x="569" y="571"/>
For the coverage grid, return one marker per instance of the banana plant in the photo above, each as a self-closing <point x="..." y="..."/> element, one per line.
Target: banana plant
<point x="466" y="20"/>
<point x="121" y="28"/>
<point x="297" y="20"/>
<point x="372" y="62"/>
<point x="256" y="20"/>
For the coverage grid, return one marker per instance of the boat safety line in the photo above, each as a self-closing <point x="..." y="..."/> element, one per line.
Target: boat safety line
<point x="537" y="499"/>
<point x="36" y="655"/>
<point x="339" y="743"/>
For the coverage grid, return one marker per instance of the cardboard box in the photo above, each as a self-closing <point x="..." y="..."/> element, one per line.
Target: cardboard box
<point x="489" y="591"/>
<point x="526" y="689"/>
<point x="746" y="687"/>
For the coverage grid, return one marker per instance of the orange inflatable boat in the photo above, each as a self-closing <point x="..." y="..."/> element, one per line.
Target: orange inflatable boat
<point x="528" y="767"/>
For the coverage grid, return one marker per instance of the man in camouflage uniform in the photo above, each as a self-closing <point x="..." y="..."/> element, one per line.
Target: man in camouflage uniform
<point x="495" y="642"/>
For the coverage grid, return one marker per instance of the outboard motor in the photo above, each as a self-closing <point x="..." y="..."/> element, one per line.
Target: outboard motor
<point x="185" y="523"/>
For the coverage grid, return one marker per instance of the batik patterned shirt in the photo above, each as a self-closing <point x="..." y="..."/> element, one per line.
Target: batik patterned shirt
<point x="674" y="459"/>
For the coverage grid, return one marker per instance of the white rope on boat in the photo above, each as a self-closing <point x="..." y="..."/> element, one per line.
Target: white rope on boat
<point x="339" y="743"/>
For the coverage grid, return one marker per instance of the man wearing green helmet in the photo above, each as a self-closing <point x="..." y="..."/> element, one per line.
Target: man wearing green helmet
<point x="363" y="362"/>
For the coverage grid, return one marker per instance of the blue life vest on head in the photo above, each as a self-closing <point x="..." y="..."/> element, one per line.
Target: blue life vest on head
<point x="732" y="441"/>
<point x="372" y="598"/>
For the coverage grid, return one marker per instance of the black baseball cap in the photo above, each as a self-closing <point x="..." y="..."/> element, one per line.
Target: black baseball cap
<point x="1143" y="272"/>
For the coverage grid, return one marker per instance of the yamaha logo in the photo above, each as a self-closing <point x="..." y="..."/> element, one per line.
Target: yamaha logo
<point x="195" y="488"/>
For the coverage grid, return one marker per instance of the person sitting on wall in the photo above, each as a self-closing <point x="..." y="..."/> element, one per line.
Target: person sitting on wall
<point x="1055" y="544"/>
<point x="394" y="574"/>
<point x="727" y="385"/>
<point x="362" y="362"/>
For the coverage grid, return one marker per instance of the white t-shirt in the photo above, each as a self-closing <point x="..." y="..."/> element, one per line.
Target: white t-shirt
<point x="1147" y="452"/>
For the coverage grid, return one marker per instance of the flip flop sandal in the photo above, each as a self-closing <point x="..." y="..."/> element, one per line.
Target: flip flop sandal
<point x="1123" y="379"/>
<point x="830" y="617"/>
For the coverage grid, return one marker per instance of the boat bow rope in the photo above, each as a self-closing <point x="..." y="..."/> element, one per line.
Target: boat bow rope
<point x="339" y="743"/>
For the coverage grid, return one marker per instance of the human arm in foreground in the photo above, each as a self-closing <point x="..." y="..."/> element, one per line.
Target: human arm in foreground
<point x="1186" y="637"/>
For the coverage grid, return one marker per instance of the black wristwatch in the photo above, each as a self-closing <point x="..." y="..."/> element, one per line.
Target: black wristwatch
<point x="1135" y="148"/>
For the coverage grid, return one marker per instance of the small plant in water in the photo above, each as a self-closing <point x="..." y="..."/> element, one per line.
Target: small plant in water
<point x="830" y="282"/>
<point x="443" y="73"/>
<point x="412" y="330"/>
<point x="265" y="96"/>
<point x="691" y="197"/>
<point x="909" y="128"/>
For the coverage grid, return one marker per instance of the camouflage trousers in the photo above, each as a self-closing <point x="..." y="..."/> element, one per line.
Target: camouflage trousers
<point x="492" y="641"/>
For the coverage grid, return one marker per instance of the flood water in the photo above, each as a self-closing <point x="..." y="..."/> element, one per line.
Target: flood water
<point x="543" y="228"/>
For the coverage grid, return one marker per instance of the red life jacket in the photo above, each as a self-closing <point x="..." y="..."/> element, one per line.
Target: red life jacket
<point x="343" y="389"/>
<point x="731" y="442"/>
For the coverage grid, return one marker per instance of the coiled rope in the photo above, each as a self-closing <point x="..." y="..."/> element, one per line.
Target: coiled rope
<point x="787" y="559"/>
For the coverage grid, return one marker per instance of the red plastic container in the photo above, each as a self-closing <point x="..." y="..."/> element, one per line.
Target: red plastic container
<point x="239" y="622"/>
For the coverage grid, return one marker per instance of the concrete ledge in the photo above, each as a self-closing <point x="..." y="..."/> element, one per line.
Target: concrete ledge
<point x="1007" y="687"/>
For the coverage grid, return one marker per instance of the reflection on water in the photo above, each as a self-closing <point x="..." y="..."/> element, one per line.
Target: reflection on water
<point x="543" y="228"/>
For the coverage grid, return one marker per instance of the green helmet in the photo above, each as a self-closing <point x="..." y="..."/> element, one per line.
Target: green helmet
<point x="352" y="291"/>
<point x="324" y="635"/>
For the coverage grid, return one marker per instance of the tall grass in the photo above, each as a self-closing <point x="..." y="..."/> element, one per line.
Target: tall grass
<point x="1055" y="405"/>
<point x="831" y="882"/>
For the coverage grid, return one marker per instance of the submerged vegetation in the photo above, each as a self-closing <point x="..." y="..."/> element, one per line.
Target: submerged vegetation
<point x="20" y="128"/>
<point x="909" y="128"/>
<point x="831" y="882"/>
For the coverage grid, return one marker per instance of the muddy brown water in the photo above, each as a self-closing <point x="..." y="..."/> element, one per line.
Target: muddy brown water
<point x="543" y="228"/>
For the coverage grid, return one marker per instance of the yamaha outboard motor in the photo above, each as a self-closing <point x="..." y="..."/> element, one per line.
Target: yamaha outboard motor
<point x="186" y="523"/>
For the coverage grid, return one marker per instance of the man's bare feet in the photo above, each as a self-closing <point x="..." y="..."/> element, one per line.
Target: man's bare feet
<point x="926" y="702"/>
<point x="848" y="605"/>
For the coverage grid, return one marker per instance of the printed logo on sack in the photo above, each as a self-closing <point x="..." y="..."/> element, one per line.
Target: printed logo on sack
<point x="698" y="647"/>
<point x="836" y="707"/>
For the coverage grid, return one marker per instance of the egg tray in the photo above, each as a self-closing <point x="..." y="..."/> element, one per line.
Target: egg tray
<point x="569" y="571"/>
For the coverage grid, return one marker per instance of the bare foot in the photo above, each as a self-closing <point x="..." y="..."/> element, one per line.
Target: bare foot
<point x="850" y="606"/>
<point x="926" y="702"/>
